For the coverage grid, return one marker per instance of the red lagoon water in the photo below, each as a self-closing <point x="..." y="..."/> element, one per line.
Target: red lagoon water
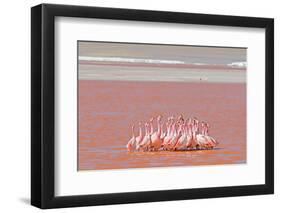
<point x="107" y="109"/>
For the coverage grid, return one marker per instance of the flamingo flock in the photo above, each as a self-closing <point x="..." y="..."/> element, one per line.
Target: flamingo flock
<point x="179" y="135"/>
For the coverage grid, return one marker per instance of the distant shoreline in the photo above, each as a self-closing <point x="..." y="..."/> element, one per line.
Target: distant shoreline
<point x="158" y="74"/>
<point x="166" y="65"/>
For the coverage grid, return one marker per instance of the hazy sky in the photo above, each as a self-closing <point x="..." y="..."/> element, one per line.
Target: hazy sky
<point x="187" y="54"/>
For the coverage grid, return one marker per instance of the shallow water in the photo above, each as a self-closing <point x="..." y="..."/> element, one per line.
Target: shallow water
<point x="107" y="109"/>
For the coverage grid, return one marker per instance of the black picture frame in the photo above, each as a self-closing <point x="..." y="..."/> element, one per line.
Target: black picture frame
<point x="43" y="105"/>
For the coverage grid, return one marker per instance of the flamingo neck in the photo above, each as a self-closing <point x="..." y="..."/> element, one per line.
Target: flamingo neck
<point x="168" y="129"/>
<point x="207" y="131"/>
<point x="151" y="128"/>
<point x="146" y="130"/>
<point x="140" y="131"/>
<point x="158" y="128"/>
<point x="133" y="132"/>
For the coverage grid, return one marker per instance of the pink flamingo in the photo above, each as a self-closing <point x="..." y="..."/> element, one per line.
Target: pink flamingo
<point x="205" y="141"/>
<point x="144" y="145"/>
<point x="163" y="133"/>
<point x="156" y="136"/>
<point x="199" y="138"/>
<point x="195" y="125"/>
<point x="140" y="137"/>
<point x="175" y="138"/>
<point x="167" y="137"/>
<point x="210" y="142"/>
<point x="132" y="142"/>
<point x="194" y="129"/>
<point x="172" y="133"/>
<point x="181" y="143"/>
<point x="151" y="132"/>
<point x="190" y="141"/>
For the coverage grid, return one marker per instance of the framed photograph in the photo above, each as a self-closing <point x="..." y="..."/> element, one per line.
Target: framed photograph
<point x="136" y="106"/>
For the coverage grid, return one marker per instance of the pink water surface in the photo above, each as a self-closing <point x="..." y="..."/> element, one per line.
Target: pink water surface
<point x="107" y="109"/>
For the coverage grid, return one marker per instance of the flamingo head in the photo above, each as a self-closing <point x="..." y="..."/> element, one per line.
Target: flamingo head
<point x="194" y="122"/>
<point x="159" y="117"/>
<point x="180" y="119"/>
